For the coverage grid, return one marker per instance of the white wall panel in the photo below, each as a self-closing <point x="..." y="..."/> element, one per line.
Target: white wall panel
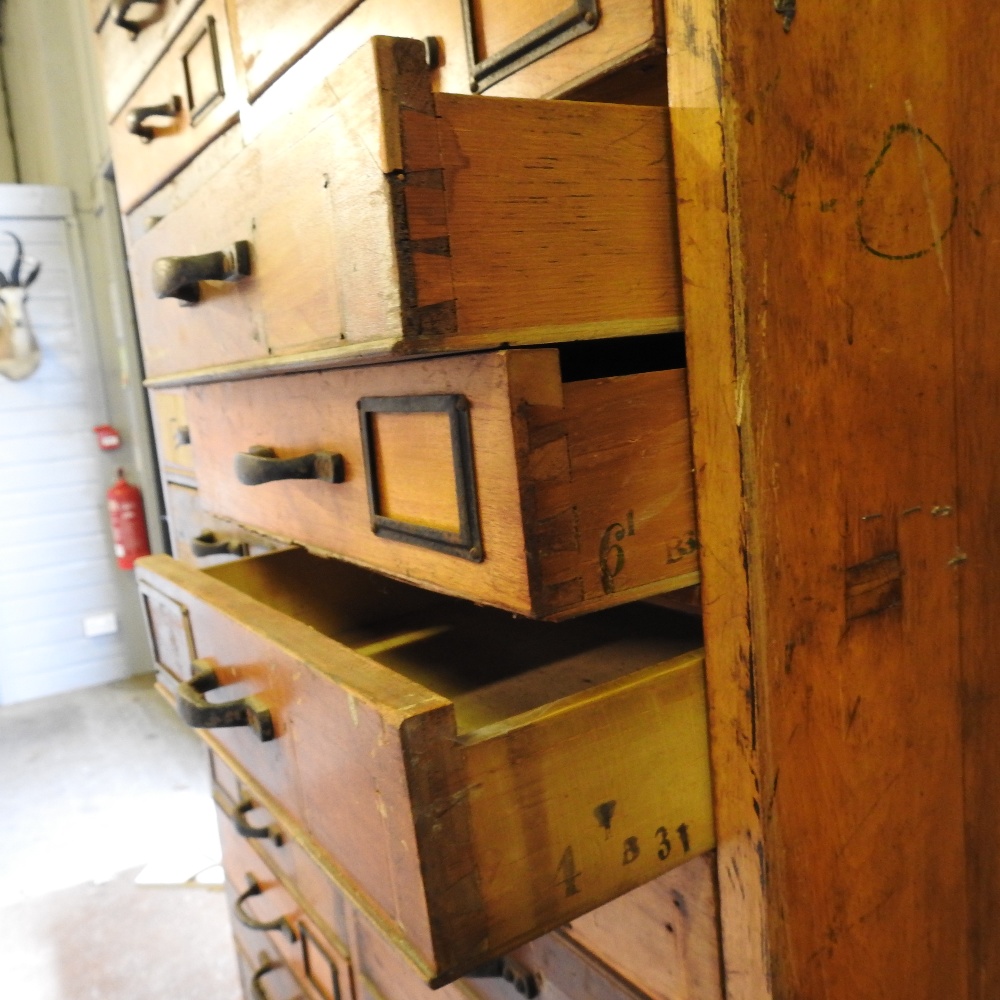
<point x="55" y="565"/>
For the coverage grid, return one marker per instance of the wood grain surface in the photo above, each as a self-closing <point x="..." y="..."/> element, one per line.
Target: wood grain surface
<point x="583" y="491"/>
<point x="849" y="165"/>
<point x="463" y="244"/>
<point x="663" y="936"/>
<point x="492" y="779"/>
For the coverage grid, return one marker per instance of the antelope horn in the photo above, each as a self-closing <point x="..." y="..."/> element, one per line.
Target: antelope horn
<point x="15" y="273"/>
<point x="32" y="274"/>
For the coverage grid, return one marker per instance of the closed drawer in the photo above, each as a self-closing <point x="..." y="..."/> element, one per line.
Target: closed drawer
<point x="198" y="539"/>
<point x="664" y="936"/>
<point x="172" y="433"/>
<point x="551" y="968"/>
<point x="486" y="779"/>
<point x="131" y="40"/>
<point x="379" y="218"/>
<point x="482" y="475"/>
<point x="265" y="52"/>
<point x="543" y="48"/>
<point x="266" y="912"/>
<point x="282" y="843"/>
<point x="188" y="98"/>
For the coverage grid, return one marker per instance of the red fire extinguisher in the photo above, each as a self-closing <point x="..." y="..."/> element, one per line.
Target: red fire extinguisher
<point x="128" y="522"/>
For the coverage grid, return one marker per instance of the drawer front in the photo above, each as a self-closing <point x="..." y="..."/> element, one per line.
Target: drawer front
<point x="188" y="98"/>
<point x="263" y="972"/>
<point x="313" y="955"/>
<point x="280" y="842"/>
<point x="483" y="475"/>
<point x="663" y="936"/>
<point x="543" y="48"/>
<point x="172" y="433"/>
<point x="264" y="52"/>
<point x="597" y="235"/>
<point x="484" y="780"/>
<point x="128" y="50"/>
<point x="198" y="538"/>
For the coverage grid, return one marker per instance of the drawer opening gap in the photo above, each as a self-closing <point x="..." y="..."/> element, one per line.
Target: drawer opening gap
<point x="582" y="360"/>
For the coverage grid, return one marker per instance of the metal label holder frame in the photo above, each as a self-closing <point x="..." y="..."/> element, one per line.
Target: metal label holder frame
<point x="197" y="113"/>
<point x="467" y="541"/>
<point x="581" y="17"/>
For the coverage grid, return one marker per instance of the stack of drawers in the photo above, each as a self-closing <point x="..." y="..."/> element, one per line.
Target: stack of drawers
<point x="417" y="381"/>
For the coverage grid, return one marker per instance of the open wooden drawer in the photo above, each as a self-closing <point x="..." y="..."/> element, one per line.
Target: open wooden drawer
<point x="540" y="480"/>
<point x="472" y="781"/>
<point x="379" y="218"/>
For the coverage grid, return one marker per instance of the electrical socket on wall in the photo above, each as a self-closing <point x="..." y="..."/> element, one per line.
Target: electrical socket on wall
<point x="105" y="623"/>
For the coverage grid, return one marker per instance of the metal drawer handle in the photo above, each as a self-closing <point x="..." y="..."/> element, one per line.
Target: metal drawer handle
<point x="182" y="436"/>
<point x="200" y="713"/>
<point x="256" y="986"/>
<point x="511" y="971"/>
<point x="135" y="122"/>
<point x="124" y="21"/>
<point x="245" y="829"/>
<point x="259" y="465"/>
<point x="208" y="543"/>
<point x="178" y="277"/>
<point x="278" y="924"/>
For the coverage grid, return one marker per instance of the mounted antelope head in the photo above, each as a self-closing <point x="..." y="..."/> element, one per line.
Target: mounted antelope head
<point x="19" y="353"/>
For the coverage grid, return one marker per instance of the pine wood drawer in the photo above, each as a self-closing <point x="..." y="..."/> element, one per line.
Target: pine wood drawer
<point x="550" y="968"/>
<point x="127" y="54"/>
<point x="482" y="475"/>
<point x="664" y="936"/>
<point x="199" y="539"/>
<point x="172" y="433"/>
<point x="525" y="48"/>
<point x="315" y="956"/>
<point x="472" y="781"/>
<point x="378" y="218"/>
<point x="188" y="98"/>
<point x="543" y="48"/>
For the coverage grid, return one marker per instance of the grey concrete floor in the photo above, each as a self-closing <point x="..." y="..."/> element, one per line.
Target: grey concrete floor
<point x="98" y="787"/>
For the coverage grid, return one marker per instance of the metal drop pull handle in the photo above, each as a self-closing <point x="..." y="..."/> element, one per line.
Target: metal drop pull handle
<point x="179" y="277"/>
<point x="256" y="986"/>
<point x="511" y="971"/>
<point x="208" y="543"/>
<point x="122" y="19"/>
<point x="278" y="924"/>
<point x="250" y="832"/>
<point x="259" y="464"/>
<point x="136" y="121"/>
<point x="200" y="713"/>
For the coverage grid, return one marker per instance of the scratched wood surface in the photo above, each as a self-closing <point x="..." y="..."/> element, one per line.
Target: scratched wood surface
<point x="662" y="936"/>
<point x="494" y="778"/>
<point x="837" y="204"/>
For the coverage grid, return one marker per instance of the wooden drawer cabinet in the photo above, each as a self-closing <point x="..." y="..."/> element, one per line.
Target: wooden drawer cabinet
<point x="188" y="98"/>
<point x="482" y="475"/>
<point x="131" y="39"/>
<point x="494" y="778"/>
<point x="387" y="219"/>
